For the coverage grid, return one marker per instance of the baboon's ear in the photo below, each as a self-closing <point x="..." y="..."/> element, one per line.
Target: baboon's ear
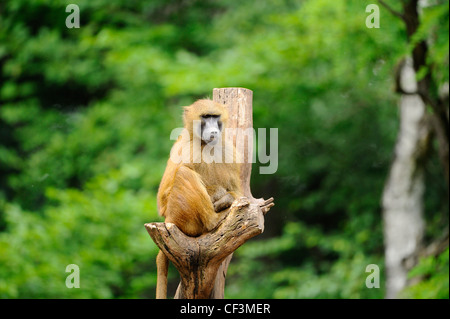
<point x="186" y="111"/>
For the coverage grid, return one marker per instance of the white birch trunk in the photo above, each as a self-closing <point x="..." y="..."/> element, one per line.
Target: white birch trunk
<point x="403" y="193"/>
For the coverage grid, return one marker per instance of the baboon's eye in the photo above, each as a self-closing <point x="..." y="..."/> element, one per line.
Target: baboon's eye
<point x="207" y="116"/>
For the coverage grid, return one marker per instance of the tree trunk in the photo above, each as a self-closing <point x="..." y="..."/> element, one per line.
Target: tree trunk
<point x="426" y="86"/>
<point x="403" y="193"/>
<point x="198" y="259"/>
<point x="239" y="102"/>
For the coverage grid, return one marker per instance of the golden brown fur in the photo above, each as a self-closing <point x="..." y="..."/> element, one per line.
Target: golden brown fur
<point x="195" y="195"/>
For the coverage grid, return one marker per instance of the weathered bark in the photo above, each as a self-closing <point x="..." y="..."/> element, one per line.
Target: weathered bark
<point x="239" y="102"/>
<point x="198" y="258"/>
<point x="403" y="193"/>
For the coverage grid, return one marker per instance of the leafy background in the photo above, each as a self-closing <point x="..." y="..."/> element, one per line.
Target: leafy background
<point x="85" y="119"/>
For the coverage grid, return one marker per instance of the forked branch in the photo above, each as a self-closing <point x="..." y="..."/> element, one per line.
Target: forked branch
<point x="391" y="10"/>
<point x="198" y="259"/>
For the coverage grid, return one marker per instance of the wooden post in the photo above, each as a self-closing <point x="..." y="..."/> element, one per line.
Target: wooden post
<point x="203" y="261"/>
<point x="239" y="102"/>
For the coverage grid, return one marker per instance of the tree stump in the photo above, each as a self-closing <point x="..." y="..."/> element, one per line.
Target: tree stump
<point x="203" y="261"/>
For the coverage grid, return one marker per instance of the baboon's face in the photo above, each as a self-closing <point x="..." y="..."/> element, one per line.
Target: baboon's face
<point x="210" y="128"/>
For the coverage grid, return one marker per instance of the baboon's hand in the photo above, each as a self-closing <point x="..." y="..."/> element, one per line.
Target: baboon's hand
<point x="223" y="203"/>
<point x="221" y="199"/>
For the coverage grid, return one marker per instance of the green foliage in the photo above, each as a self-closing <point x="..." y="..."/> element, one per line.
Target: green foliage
<point x="432" y="274"/>
<point x="435" y="24"/>
<point x="99" y="229"/>
<point x="291" y="277"/>
<point x="86" y="114"/>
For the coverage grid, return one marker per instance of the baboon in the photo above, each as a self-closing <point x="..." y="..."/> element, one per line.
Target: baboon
<point x="195" y="194"/>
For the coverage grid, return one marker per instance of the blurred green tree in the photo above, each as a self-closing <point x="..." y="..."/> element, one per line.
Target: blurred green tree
<point x="86" y="114"/>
